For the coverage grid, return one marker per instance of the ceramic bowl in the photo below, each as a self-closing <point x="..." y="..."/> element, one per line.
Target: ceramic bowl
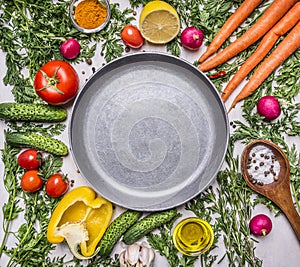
<point x="73" y="5"/>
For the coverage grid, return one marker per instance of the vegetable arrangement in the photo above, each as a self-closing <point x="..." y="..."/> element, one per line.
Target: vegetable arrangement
<point x="231" y="190"/>
<point x="282" y="27"/>
<point x="263" y="27"/>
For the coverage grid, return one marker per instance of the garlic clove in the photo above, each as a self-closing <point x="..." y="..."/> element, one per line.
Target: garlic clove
<point x="146" y="257"/>
<point x="137" y="255"/>
<point x="122" y="259"/>
<point x="132" y="254"/>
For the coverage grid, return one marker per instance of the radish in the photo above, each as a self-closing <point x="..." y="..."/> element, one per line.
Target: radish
<point x="70" y="49"/>
<point x="268" y="107"/>
<point x="260" y="225"/>
<point x="191" y="38"/>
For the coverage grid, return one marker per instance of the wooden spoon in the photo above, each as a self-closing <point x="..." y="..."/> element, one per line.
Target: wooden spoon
<point x="279" y="190"/>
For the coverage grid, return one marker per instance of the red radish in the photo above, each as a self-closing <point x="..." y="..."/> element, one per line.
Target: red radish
<point x="70" y="49"/>
<point x="191" y="38"/>
<point x="260" y="225"/>
<point x="268" y="107"/>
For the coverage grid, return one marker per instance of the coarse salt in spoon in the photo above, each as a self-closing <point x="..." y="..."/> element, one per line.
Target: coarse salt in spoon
<point x="266" y="170"/>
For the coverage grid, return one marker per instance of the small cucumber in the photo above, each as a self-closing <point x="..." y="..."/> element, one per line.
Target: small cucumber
<point x="116" y="229"/>
<point x="147" y="225"/>
<point x="37" y="141"/>
<point x="32" y="112"/>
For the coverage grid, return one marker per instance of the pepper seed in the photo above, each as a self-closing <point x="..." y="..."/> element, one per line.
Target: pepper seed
<point x="89" y="61"/>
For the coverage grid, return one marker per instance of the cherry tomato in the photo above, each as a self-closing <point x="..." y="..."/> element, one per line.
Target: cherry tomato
<point x="30" y="159"/>
<point x="132" y="37"/>
<point x="31" y="182"/>
<point x="56" y="185"/>
<point x="56" y="82"/>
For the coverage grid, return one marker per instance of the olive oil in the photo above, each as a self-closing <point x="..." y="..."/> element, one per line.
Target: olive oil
<point x="193" y="236"/>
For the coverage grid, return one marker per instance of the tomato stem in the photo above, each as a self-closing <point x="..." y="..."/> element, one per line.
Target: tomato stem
<point x="51" y="81"/>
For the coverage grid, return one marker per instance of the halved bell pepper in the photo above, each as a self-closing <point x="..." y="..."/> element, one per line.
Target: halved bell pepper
<point x="80" y="218"/>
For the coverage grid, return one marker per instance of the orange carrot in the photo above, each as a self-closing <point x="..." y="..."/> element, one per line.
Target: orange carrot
<point x="230" y="25"/>
<point x="285" y="48"/>
<point x="289" y="20"/>
<point x="273" y="14"/>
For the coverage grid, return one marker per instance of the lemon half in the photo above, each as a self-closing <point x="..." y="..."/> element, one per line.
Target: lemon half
<point x="159" y="22"/>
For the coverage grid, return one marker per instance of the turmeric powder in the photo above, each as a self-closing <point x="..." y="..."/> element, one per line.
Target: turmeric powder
<point x="90" y="14"/>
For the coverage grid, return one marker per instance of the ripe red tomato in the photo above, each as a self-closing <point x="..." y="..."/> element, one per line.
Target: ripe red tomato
<point x="31" y="182"/>
<point x="30" y="159"/>
<point x="56" y="82"/>
<point x="132" y="37"/>
<point x="56" y="185"/>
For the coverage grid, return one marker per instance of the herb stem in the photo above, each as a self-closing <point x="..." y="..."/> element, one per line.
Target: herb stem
<point x="7" y="222"/>
<point x="29" y="228"/>
<point x="295" y="196"/>
<point x="12" y="190"/>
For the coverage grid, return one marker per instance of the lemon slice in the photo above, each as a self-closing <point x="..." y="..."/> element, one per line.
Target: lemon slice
<point x="159" y="22"/>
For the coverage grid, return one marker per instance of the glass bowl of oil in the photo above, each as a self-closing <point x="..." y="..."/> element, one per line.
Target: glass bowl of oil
<point x="90" y="16"/>
<point x="193" y="236"/>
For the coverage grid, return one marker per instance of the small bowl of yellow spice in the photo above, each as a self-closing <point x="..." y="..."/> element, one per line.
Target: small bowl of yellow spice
<point x="90" y="16"/>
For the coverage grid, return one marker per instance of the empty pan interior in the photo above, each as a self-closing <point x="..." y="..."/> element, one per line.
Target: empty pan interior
<point x="149" y="131"/>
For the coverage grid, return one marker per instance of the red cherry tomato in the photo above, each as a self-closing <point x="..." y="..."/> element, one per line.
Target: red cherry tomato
<point x="132" y="37"/>
<point x="30" y="159"/>
<point x="56" y="82"/>
<point x="56" y="185"/>
<point x="31" y="182"/>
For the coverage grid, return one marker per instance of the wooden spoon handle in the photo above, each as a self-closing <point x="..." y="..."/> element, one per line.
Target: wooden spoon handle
<point x="291" y="213"/>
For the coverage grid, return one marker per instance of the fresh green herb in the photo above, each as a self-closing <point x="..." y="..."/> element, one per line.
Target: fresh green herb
<point x="11" y="209"/>
<point x="49" y="130"/>
<point x="113" y="46"/>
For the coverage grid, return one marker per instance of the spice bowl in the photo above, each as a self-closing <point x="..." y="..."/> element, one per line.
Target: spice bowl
<point x="89" y="16"/>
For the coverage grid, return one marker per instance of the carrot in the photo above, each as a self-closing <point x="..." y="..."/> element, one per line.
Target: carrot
<point x="285" y="48"/>
<point x="289" y="20"/>
<point x="230" y="25"/>
<point x="274" y="13"/>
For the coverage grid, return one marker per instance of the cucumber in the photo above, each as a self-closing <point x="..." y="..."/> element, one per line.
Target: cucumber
<point x="37" y="141"/>
<point x="116" y="229"/>
<point x="147" y="225"/>
<point x="32" y="112"/>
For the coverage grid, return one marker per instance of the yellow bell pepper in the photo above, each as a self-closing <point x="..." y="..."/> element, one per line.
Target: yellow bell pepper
<point x="80" y="218"/>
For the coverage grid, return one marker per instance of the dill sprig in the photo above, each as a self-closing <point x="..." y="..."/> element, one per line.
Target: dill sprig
<point x="31" y="32"/>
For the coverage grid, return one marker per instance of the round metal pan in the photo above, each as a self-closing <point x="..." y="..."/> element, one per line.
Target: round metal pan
<point x="149" y="131"/>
